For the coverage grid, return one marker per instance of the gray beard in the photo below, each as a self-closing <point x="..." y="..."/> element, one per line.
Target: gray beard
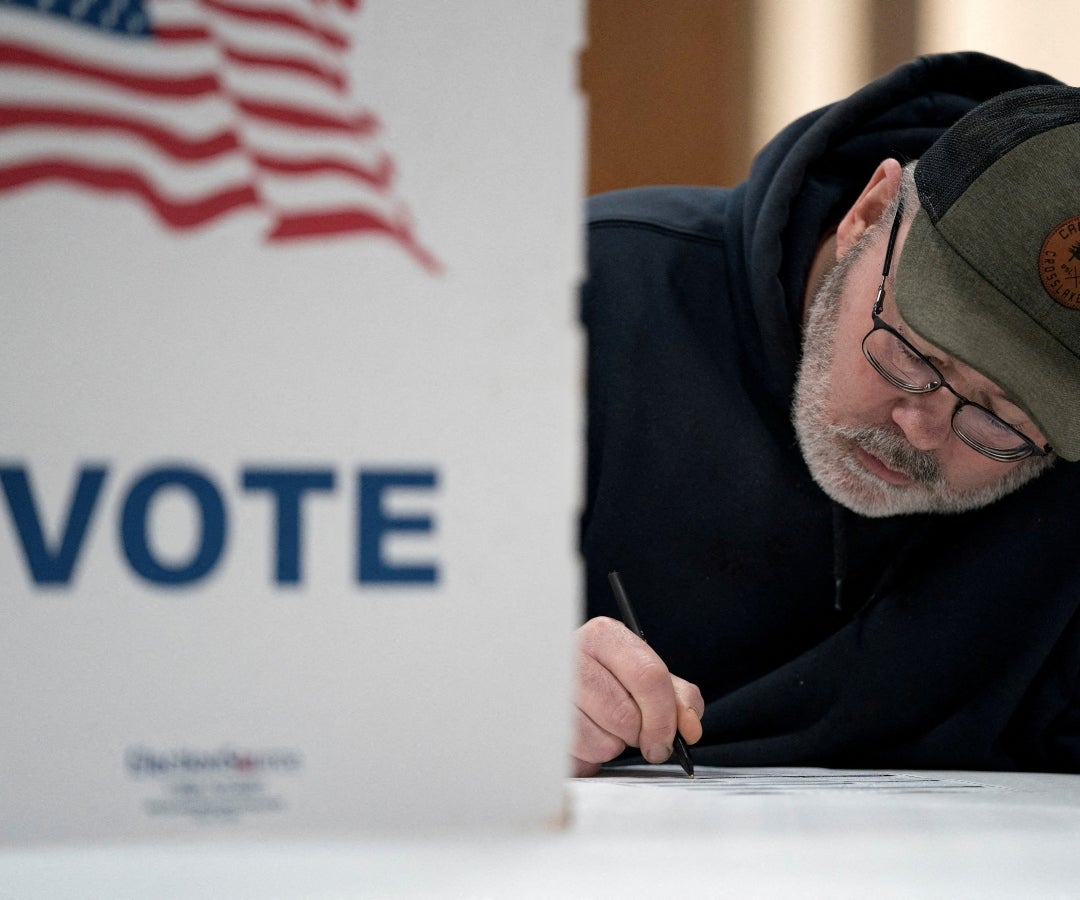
<point x="829" y="449"/>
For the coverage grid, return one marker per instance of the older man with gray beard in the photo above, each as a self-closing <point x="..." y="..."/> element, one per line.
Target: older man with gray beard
<point x="911" y="476"/>
<point x="834" y="415"/>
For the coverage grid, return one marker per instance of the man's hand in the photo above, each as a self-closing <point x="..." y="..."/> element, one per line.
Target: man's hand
<point x="627" y="697"/>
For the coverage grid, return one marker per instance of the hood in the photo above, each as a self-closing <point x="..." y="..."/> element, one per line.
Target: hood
<point x="804" y="180"/>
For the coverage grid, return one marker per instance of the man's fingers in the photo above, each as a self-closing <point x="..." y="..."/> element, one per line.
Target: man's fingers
<point x="627" y="697"/>
<point x="638" y="703"/>
<point x="592" y="744"/>
<point x="691" y="707"/>
<point x="610" y="718"/>
<point x="581" y="769"/>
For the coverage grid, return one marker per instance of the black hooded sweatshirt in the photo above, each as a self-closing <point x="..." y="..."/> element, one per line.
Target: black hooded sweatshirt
<point x="817" y="636"/>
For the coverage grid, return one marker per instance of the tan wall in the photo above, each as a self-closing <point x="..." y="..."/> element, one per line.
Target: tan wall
<point x="685" y="91"/>
<point x="1039" y="35"/>
<point x="667" y="85"/>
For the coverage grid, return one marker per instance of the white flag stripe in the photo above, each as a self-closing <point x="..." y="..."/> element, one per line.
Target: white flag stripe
<point x="178" y="181"/>
<point x="317" y="15"/>
<point x="175" y="13"/>
<point x="195" y="118"/>
<point x="298" y="146"/>
<point x="326" y="192"/>
<point x="289" y="91"/>
<point x="269" y="40"/>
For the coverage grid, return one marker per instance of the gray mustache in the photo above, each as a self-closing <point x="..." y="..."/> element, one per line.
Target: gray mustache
<point x="893" y="450"/>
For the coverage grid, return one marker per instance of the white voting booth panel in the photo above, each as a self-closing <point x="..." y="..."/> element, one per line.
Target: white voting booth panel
<point x="290" y="418"/>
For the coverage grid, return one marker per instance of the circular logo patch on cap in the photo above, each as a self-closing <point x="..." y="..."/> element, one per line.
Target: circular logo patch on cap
<point x="1059" y="263"/>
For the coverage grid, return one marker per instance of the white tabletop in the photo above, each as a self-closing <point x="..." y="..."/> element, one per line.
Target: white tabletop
<point x="645" y="833"/>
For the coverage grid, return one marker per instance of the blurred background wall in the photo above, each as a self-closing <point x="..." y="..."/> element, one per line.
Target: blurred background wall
<point x="686" y="91"/>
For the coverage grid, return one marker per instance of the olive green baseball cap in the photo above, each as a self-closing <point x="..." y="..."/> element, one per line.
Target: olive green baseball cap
<point x="990" y="270"/>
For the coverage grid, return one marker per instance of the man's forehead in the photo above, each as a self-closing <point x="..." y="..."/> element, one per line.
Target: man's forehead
<point x="956" y="369"/>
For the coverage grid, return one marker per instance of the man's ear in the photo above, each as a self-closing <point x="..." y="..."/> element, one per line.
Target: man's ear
<point x="872" y="202"/>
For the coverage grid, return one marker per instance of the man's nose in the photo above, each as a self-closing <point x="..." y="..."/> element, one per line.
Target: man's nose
<point x="925" y="419"/>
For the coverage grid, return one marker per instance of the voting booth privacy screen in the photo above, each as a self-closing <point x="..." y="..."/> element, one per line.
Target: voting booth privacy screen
<point x="290" y="417"/>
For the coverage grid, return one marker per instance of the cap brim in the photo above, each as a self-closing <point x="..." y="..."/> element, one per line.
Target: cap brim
<point x="950" y="305"/>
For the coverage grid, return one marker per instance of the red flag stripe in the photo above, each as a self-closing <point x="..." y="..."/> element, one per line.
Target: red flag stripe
<point x="177" y="213"/>
<point x="175" y="145"/>
<point x="281" y="18"/>
<point x="349" y="5"/>
<point x="312" y="224"/>
<point x="162" y="86"/>
<point x="186" y="148"/>
<point x="332" y="78"/>
<point x="181" y="34"/>
<point x="326" y="223"/>
<point x="361" y="124"/>
<point x="378" y="176"/>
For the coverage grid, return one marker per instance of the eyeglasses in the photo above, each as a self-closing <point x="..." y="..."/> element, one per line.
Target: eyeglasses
<point x="906" y="368"/>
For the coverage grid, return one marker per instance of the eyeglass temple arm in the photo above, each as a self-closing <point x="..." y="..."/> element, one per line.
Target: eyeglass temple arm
<point x="879" y="302"/>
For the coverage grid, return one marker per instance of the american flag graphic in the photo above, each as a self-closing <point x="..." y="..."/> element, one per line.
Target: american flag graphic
<point x="198" y="109"/>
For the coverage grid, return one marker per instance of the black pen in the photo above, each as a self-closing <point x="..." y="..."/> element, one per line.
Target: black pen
<point x="682" y="752"/>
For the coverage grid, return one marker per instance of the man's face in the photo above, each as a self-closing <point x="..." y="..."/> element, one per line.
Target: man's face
<point x="872" y="447"/>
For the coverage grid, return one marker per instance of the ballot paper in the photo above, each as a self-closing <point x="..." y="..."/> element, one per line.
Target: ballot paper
<point x="790" y="780"/>
<point x="821" y="802"/>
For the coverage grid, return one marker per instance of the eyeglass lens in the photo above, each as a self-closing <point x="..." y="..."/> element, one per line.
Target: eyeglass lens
<point x="901" y="365"/>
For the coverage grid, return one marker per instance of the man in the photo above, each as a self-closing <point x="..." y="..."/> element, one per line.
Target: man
<point x="833" y="418"/>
